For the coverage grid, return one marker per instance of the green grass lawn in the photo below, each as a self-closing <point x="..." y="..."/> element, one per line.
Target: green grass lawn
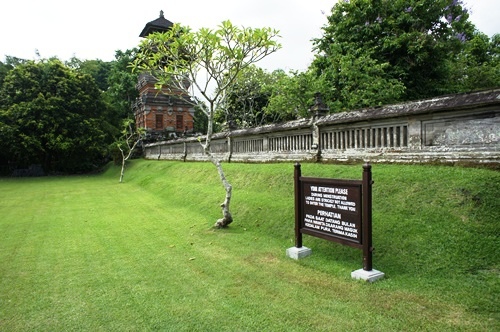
<point x="87" y="253"/>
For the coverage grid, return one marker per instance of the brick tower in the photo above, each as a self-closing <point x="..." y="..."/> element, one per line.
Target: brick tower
<point x="161" y="115"/>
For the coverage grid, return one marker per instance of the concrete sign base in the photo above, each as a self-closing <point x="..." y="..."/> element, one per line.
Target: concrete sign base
<point x="370" y="276"/>
<point x="298" y="253"/>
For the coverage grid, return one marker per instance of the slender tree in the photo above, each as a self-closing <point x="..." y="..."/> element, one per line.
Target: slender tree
<point x="127" y="143"/>
<point x="209" y="62"/>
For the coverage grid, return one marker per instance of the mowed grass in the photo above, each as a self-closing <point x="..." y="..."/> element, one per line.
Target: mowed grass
<point x="87" y="253"/>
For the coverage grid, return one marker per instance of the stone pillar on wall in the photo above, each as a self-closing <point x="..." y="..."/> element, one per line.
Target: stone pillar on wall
<point x="184" y="151"/>
<point x="318" y="110"/>
<point x="229" y="149"/>
<point x="415" y="134"/>
<point x="265" y="144"/>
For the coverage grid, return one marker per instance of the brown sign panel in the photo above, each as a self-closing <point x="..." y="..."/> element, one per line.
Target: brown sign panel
<point x="331" y="209"/>
<point x="335" y="210"/>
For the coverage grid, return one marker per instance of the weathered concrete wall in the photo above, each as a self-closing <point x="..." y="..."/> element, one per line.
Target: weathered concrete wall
<point x="462" y="128"/>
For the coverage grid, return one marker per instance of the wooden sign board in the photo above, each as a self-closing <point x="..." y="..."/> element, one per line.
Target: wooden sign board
<point x="335" y="210"/>
<point x="332" y="209"/>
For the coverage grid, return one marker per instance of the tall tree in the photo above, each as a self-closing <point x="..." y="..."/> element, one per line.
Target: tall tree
<point x="291" y="94"/>
<point x="258" y="97"/>
<point x="245" y="99"/>
<point x="51" y="115"/>
<point x="379" y="51"/>
<point x="208" y="61"/>
<point x="121" y="92"/>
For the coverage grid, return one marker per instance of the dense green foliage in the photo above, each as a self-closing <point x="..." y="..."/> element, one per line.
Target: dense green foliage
<point x="246" y="99"/>
<point x="116" y="82"/>
<point x="10" y="63"/>
<point x="52" y="116"/>
<point x="98" y="69"/>
<point x="121" y="92"/>
<point x="86" y="253"/>
<point x="380" y="51"/>
<point x="478" y="64"/>
<point x="62" y="116"/>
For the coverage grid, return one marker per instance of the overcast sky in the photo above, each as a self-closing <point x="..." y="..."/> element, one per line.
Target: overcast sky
<point x="95" y="29"/>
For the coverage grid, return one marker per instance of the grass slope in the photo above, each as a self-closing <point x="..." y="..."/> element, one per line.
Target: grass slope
<point x="88" y="253"/>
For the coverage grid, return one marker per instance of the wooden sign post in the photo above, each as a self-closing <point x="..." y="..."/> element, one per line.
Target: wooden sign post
<point x="335" y="210"/>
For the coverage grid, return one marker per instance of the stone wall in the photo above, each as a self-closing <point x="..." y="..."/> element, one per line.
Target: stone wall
<point x="463" y="128"/>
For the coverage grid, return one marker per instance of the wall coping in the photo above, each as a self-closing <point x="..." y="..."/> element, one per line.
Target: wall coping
<point x="432" y="105"/>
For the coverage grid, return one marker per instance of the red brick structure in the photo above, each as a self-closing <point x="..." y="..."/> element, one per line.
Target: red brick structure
<point x="161" y="115"/>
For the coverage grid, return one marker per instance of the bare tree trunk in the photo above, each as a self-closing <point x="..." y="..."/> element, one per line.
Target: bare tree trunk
<point x="227" y="218"/>
<point x="123" y="168"/>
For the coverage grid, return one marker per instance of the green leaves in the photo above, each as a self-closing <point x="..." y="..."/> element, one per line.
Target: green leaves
<point x="209" y="59"/>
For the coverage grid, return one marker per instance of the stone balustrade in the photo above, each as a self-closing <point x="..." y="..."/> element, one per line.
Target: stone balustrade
<point x="462" y="128"/>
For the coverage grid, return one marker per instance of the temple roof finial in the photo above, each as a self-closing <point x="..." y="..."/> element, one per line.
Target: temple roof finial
<point x="161" y="24"/>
